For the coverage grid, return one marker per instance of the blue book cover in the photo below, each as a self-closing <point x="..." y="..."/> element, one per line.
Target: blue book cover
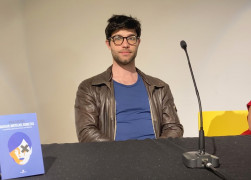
<point x="20" y="148"/>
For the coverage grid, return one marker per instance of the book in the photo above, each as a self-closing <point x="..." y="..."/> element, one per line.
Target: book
<point x="20" y="148"/>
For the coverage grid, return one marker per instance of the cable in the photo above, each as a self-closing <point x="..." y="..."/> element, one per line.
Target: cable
<point x="209" y="166"/>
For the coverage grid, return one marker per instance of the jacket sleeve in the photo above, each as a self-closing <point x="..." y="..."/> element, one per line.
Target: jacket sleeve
<point x="170" y="125"/>
<point x="87" y="116"/>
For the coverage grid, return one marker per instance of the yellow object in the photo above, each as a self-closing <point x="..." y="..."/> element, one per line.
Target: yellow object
<point x="224" y="123"/>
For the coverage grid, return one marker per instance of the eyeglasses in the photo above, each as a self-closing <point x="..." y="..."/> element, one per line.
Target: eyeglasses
<point x="118" y="40"/>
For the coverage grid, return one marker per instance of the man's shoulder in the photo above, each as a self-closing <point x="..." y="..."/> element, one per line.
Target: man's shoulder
<point x="94" y="78"/>
<point x="154" y="81"/>
<point x="98" y="79"/>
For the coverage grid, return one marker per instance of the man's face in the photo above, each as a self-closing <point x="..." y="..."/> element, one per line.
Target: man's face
<point x="125" y="53"/>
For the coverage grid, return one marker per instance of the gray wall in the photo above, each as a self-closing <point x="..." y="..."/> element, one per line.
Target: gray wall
<point x="47" y="47"/>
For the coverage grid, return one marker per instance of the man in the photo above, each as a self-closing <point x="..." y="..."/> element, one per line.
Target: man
<point x="124" y="103"/>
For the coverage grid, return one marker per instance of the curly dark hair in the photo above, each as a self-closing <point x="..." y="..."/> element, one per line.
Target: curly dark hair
<point x="117" y="22"/>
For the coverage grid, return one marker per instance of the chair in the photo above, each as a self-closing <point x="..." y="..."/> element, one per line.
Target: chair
<point x="224" y="123"/>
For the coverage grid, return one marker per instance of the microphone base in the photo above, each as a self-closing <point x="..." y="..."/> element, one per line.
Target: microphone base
<point x="195" y="159"/>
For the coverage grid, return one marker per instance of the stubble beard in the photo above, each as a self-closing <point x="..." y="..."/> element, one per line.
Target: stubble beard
<point x="122" y="62"/>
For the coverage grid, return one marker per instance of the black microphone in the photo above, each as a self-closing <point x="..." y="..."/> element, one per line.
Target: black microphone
<point x="198" y="159"/>
<point x="183" y="45"/>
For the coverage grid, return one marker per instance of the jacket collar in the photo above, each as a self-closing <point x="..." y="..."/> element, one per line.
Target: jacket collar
<point x="151" y="81"/>
<point x="103" y="78"/>
<point x="106" y="78"/>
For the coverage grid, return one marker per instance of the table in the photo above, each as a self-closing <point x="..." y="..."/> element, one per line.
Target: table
<point x="144" y="159"/>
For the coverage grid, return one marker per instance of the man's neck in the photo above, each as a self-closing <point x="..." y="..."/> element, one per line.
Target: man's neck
<point x="126" y="74"/>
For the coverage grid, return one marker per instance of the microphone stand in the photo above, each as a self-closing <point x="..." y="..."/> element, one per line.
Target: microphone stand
<point x="198" y="159"/>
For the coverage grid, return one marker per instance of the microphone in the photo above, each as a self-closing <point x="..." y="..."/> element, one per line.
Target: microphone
<point x="198" y="159"/>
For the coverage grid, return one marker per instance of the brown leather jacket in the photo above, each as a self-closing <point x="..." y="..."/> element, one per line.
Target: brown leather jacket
<point x="95" y="113"/>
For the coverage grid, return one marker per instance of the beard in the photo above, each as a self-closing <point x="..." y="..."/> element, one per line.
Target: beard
<point x="123" y="61"/>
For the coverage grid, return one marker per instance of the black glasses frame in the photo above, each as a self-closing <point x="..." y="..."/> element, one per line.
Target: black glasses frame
<point x="112" y="38"/>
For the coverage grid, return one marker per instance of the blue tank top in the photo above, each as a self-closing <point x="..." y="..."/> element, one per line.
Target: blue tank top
<point x="133" y="114"/>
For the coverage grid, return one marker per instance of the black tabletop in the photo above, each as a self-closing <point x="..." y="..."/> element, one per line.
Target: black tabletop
<point x="145" y="159"/>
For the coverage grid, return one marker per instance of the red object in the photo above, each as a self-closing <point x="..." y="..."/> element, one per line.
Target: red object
<point x="248" y="105"/>
<point x="247" y="132"/>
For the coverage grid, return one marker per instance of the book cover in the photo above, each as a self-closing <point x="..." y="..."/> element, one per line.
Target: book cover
<point x="20" y="148"/>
